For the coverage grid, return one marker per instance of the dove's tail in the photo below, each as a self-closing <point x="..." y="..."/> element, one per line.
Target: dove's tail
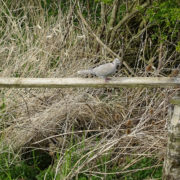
<point x="84" y="72"/>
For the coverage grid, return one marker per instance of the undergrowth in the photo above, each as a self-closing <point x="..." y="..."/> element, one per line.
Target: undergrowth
<point x="39" y="165"/>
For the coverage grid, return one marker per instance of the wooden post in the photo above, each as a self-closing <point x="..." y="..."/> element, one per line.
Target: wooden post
<point x="171" y="170"/>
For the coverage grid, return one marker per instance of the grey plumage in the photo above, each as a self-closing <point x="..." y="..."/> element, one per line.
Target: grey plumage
<point x="103" y="70"/>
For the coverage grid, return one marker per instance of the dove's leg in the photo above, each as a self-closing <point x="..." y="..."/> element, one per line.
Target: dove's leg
<point x="105" y="78"/>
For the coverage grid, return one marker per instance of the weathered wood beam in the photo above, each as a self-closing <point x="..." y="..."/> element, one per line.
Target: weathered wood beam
<point x="171" y="169"/>
<point x="89" y="82"/>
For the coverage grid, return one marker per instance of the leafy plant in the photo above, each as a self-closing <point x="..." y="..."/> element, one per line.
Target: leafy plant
<point x="166" y="16"/>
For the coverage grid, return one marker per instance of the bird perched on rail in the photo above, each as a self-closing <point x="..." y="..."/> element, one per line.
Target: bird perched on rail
<point x="104" y="70"/>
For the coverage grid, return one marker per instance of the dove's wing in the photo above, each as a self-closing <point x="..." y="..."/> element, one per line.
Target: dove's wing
<point x="104" y="70"/>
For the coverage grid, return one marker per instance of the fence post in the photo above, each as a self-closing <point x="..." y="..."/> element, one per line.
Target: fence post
<point x="171" y="169"/>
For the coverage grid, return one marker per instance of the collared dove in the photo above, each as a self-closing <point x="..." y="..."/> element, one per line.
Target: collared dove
<point x="103" y="70"/>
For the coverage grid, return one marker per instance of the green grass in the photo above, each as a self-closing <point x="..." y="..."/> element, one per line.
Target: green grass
<point x="37" y="165"/>
<point x="14" y="167"/>
<point x="154" y="172"/>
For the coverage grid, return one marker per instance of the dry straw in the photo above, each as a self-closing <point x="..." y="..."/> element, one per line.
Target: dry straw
<point x="122" y="122"/>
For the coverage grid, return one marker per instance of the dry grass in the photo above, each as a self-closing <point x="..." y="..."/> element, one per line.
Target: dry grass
<point x="126" y="122"/>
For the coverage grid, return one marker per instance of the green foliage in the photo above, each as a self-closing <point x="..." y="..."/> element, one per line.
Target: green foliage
<point x="3" y="114"/>
<point x="166" y="15"/>
<point x="37" y="166"/>
<point x="154" y="172"/>
<point x="9" y="170"/>
<point x="2" y="105"/>
<point x="105" y="1"/>
<point x="121" y="12"/>
<point x="166" y="12"/>
<point x="13" y="167"/>
<point x="48" y="173"/>
<point x="178" y="47"/>
<point x="51" y="8"/>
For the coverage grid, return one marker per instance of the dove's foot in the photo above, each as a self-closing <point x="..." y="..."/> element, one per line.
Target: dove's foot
<point x="107" y="79"/>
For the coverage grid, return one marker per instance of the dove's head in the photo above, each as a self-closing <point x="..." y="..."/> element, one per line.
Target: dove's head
<point x="117" y="62"/>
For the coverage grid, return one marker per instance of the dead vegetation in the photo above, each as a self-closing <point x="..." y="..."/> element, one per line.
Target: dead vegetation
<point x="125" y="122"/>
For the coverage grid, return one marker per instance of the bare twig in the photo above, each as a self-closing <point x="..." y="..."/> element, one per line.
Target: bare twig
<point x="113" y="15"/>
<point x="125" y="19"/>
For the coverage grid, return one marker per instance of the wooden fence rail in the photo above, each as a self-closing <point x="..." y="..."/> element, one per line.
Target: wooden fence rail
<point x="89" y="82"/>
